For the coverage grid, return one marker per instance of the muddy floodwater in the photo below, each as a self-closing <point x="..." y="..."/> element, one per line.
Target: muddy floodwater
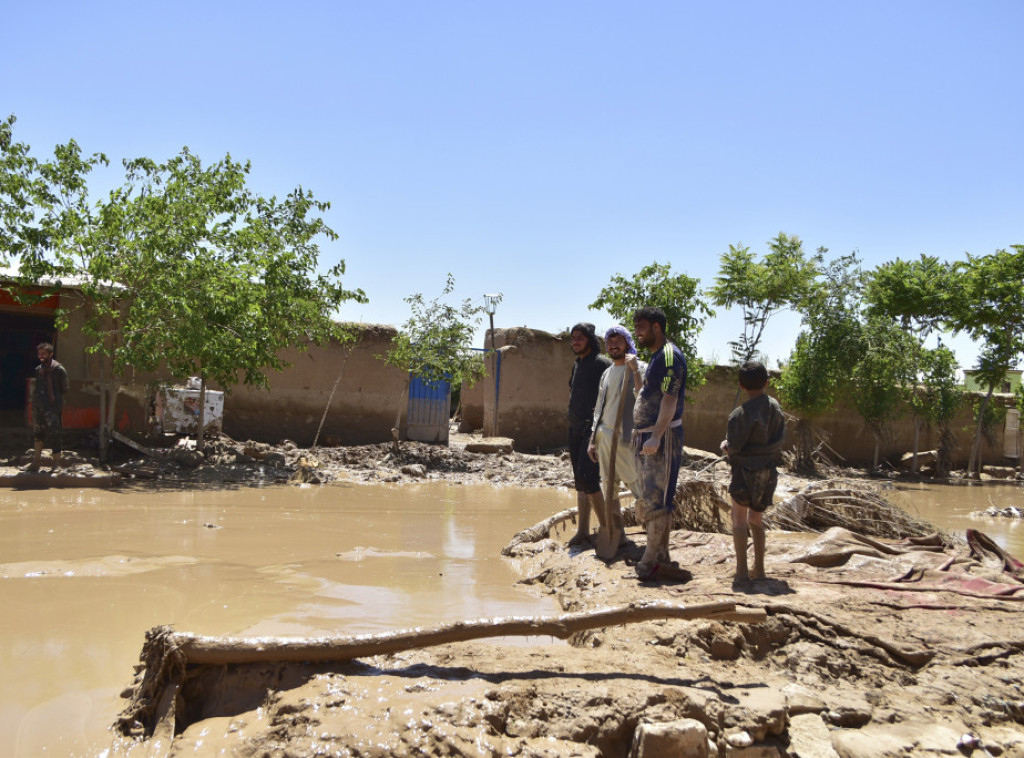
<point x="84" y="574"/>
<point x="950" y="507"/>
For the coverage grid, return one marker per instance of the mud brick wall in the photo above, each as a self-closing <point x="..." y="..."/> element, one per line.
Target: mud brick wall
<point x="533" y="391"/>
<point x="362" y="410"/>
<point x="534" y="396"/>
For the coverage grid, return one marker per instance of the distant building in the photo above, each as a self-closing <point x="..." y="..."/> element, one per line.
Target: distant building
<point x="1011" y="381"/>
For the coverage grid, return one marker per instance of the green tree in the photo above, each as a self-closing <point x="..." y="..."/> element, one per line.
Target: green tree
<point x="917" y="293"/>
<point x="916" y="296"/>
<point x="182" y="266"/>
<point x="678" y="295"/>
<point x="779" y="281"/>
<point x="937" y="400"/>
<point x="435" y="344"/>
<point x="46" y="218"/>
<point x="883" y="379"/>
<point x="986" y="304"/>
<point x="827" y="349"/>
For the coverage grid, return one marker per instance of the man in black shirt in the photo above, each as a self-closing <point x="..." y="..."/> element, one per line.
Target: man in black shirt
<point x="47" y="405"/>
<point x="583" y="386"/>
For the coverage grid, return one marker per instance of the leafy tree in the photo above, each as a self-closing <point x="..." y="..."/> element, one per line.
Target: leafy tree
<point x="937" y="399"/>
<point x="46" y="218"/>
<point x="916" y="296"/>
<point x="915" y="293"/>
<point x="182" y="265"/>
<point x="435" y="344"/>
<point x="987" y="305"/>
<point x="678" y="295"/>
<point x="827" y="349"/>
<point x="884" y="377"/>
<point x="781" y="280"/>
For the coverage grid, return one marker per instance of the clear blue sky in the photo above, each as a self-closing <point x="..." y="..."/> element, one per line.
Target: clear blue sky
<point x="538" y="148"/>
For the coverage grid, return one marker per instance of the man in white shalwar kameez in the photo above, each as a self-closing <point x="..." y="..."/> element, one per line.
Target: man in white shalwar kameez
<point x="618" y="343"/>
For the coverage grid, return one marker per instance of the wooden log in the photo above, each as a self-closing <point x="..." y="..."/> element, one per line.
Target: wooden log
<point x="199" y="649"/>
<point x="129" y="442"/>
<point x="168" y="657"/>
<point x="540" y="531"/>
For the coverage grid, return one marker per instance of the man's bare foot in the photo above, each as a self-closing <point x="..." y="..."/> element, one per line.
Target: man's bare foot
<point x="581" y="538"/>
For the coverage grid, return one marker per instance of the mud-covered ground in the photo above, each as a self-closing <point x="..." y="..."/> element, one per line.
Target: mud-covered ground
<point x="869" y="648"/>
<point x="226" y="461"/>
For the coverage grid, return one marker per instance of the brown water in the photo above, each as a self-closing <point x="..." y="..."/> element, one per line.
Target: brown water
<point x="84" y="574"/>
<point x="950" y="507"/>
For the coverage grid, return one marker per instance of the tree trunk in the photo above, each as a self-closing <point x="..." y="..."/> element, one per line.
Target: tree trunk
<point x="112" y="390"/>
<point x="917" y="444"/>
<point x="945" y="450"/>
<point x="804" y="448"/>
<point x="396" y="429"/>
<point x="155" y="699"/>
<point x="104" y="433"/>
<point x="200" y="437"/>
<point x="974" y="464"/>
<point x="226" y="650"/>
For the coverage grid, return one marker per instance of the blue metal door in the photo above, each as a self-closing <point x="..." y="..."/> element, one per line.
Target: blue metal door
<point x="429" y="406"/>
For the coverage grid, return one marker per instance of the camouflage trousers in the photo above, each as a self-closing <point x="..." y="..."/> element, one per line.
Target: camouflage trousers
<point x="47" y="424"/>
<point x="658" y="474"/>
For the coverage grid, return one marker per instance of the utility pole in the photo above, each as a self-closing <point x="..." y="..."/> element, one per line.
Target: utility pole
<point x="490" y="308"/>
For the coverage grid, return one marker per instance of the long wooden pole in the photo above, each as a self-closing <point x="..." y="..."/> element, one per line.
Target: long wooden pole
<point x="169" y="656"/>
<point x="199" y="649"/>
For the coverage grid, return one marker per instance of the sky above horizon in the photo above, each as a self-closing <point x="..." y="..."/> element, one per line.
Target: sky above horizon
<point x="537" y="149"/>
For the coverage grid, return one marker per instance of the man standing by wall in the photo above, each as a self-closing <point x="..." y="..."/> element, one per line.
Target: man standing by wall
<point x="583" y="386"/>
<point x="618" y="344"/>
<point x="657" y="434"/>
<point x="48" y="405"/>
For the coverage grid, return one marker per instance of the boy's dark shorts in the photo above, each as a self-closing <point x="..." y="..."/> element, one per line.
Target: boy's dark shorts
<point x="754" y="488"/>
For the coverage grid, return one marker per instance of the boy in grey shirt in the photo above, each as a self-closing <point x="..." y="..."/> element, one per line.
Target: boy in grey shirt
<point x="756" y="432"/>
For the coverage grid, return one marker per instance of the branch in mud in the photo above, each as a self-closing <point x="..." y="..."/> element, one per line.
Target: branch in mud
<point x="223" y="650"/>
<point x="976" y="655"/>
<point x="912" y="657"/>
<point x="539" y="531"/>
<point x="852" y="505"/>
<point x="167" y="654"/>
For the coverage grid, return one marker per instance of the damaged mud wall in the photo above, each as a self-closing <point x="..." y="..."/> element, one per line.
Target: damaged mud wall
<point x="534" y="395"/>
<point x="471" y="407"/>
<point x="533" y="389"/>
<point x="362" y="410"/>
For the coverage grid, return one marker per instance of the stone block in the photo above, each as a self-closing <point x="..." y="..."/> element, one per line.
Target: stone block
<point x="670" y="739"/>
<point x="490" y="446"/>
<point x="809" y="737"/>
<point x="800" y="699"/>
